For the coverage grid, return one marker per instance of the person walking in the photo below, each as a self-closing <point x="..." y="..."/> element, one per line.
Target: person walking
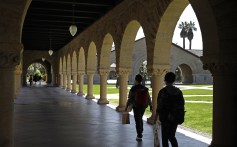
<point x="139" y="99"/>
<point x="31" y="80"/>
<point x="168" y="99"/>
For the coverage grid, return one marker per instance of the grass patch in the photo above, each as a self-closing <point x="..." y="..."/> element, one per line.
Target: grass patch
<point x="197" y="92"/>
<point x="199" y="117"/>
<point x="199" y="98"/>
<point x="111" y="89"/>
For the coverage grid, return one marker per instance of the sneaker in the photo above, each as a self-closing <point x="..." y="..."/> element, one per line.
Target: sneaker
<point x="139" y="139"/>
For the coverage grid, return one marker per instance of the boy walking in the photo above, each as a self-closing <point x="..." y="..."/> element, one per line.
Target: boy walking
<point x="139" y="98"/>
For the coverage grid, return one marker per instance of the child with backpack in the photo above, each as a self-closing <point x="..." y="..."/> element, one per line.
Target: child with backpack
<point x="170" y="110"/>
<point x="139" y="98"/>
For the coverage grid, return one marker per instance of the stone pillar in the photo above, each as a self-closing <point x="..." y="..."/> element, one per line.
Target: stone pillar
<point x="64" y="81"/>
<point x="123" y="90"/>
<point x="81" y="83"/>
<point x="61" y="80"/>
<point x="224" y="127"/>
<point x="157" y="85"/>
<point x="9" y="59"/>
<point x="18" y="73"/>
<point x="103" y="87"/>
<point x="69" y="82"/>
<point x="90" y="76"/>
<point x="74" y="84"/>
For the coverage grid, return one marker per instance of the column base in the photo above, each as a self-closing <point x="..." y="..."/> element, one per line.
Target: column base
<point x="68" y="89"/>
<point x="90" y="97"/>
<point x="120" y="108"/>
<point x="73" y="91"/>
<point x="80" y="94"/>
<point x="103" y="101"/>
<point x="150" y="120"/>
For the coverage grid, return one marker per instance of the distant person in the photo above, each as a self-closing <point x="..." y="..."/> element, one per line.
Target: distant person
<point x="117" y="82"/>
<point x="139" y="98"/>
<point x="169" y="98"/>
<point x="31" y="80"/>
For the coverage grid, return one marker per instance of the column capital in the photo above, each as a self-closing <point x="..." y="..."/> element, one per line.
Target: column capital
<point x="81" y="73"/>
<point x="90" y="72"/>
<point x="221" y="68"/>
<point x="103" y="71"/>
<point x="158" y="71"/>
<point x="10" y="54"/>
<point x="123" y="71"/>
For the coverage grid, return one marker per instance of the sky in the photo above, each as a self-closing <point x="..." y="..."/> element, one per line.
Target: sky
<point x="188" y="15"/>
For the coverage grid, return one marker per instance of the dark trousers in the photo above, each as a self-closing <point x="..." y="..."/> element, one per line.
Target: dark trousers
<point x="168" y="133"/>
<point x="138" y="114"/>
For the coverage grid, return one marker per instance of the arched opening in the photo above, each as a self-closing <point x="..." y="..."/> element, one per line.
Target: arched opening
<point x="36" y="74"/>
<point x="127" y="45"/>
<point x="184" y="74"/>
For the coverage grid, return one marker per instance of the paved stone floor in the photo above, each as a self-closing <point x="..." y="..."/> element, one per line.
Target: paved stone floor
<point x="52" y="117"/>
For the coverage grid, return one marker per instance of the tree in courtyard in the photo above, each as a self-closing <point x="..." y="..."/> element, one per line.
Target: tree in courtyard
<point x="190" y="27"/>
<point x="183" y="33"/>
<point x="143" y="72"/>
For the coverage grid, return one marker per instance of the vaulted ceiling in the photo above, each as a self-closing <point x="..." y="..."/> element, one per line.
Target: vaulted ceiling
<point x="47" y="21"/>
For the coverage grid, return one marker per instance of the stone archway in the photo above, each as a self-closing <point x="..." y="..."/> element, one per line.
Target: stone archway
<point x="186" y="74"/>
<point x="46" y="67"/>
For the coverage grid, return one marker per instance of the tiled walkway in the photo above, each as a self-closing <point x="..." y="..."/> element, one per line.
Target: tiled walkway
<point x="53" y="117"/>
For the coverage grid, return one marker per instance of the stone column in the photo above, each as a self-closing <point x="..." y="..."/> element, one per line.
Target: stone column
<point x="81" y="83"/>
<point x="123" y="90"/>
<point x="224" y="127"/>
<point x="157" y="84"/>
<point x="103" y="87"/>
<point x="9" y="59"/>
<point x="61" y="80"/>
<point x="64" y="81"/>
<point x="90" y="76"/>
<point x="18" y="73"/>
<point x="69" y="82"/>
<point x="74" y="84"/>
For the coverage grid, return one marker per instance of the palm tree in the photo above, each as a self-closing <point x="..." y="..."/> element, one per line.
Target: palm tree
<point x="190" y="28"/>
<point x="183" y="33"/>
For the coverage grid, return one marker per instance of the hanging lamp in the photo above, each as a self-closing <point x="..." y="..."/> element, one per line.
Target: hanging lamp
<point x="50" y="49"/>
<point x="73" y="27"/>
<point x="43" y="59"/>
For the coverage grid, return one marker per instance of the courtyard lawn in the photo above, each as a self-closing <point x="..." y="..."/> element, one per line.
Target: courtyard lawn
<point x="199" y="117"/>
<point x="111" y="89"/>
<point x="197" y="92"/>
<point x="199" y="98"/>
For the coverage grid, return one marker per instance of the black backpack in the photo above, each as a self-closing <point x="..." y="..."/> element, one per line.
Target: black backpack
<point x="141" y="98"/>
<point x="176" y="111"/>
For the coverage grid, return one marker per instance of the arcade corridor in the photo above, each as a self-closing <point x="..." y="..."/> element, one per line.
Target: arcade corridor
<point x="52" y="117"/>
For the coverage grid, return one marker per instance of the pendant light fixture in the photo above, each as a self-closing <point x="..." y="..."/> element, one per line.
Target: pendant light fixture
<point x="50" y="49"/>
<point x="43" y="59"/>
<point x="73" y="27"/>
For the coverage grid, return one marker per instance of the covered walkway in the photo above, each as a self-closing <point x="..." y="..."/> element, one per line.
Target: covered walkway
<point x="52" y="117"/>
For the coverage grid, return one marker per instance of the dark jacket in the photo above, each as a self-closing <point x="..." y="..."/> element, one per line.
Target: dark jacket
<point x="169" y="98"/>
<point x="131" y="95"/>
